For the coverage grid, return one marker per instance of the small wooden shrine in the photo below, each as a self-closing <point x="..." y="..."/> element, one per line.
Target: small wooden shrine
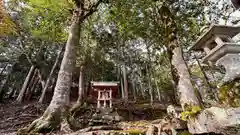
<point x="105" y="92"/>
<point x="220" y="49"/>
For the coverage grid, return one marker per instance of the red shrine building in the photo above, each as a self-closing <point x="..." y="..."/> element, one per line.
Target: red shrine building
<point x="105" y="92"/>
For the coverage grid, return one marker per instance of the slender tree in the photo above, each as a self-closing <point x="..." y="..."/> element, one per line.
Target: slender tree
<point x="46" y="85"/>
<point x="81" y="86"/>
<point x="25" y="85"/>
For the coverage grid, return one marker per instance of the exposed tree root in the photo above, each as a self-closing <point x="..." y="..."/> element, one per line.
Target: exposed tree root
<point x="77" y="107"/>
<point x="95" y="128"/>
<point x="48" y="122"/>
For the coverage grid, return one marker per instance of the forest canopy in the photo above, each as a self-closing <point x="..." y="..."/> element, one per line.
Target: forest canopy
<point x="52" y="52"/>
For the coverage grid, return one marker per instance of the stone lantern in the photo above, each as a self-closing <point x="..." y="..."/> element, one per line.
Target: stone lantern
<point x="220" y="49"/>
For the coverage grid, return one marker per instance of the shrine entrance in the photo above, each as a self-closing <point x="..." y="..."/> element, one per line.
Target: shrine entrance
<point x="106" y="91"/>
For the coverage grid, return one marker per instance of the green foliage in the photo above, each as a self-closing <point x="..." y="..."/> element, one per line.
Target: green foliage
<point x="7" y="26"/>
<point x="185" y="133"/>
<point x="190" y="112"/>
<point x="47" y="19"/>
<point x="129" y="132"/>
<point x="229" y="94"/>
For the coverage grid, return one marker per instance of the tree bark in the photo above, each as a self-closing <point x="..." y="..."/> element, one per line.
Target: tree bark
<point x="179" y="68"/>
<point x="4" y="86"/>
<point x="141" y="86"/>
<point x="41" y="79"/>
<point x="182" y="77"/>
<point x="25" y="85"/>
<point x="149" y="74"/>
<point x="32" y="90"/>
<point x="30" y="85"/>
<point x="122" y="88"/>
<point x="46" y="85"/>
<point x="4" y="68"/>
<point x="57" y="111"/>
<point x="134" y="90"/>
<point x="158" y="91"/>
<point x="149" y="85"/>
<point x="81" y="86"/>
<point x="125" y="82"/>
<point x="12" y="91"/>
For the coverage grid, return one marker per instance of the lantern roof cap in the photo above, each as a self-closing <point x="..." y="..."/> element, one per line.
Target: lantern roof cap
<point x="215" y="29"/>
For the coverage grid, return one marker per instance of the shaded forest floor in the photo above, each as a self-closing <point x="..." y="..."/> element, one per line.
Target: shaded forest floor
<point x="14" y="116"/>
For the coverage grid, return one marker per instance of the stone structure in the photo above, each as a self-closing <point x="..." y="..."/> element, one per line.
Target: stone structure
<point x="105" y="92"/>
<point x="216" y="120"/>
<point x="221" y="49"/>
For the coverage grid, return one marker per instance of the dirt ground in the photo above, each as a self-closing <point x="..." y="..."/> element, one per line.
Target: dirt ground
<point x="14" y="116"/>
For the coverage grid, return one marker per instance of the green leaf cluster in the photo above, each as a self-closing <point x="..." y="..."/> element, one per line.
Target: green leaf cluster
<point x="190" y="112"/>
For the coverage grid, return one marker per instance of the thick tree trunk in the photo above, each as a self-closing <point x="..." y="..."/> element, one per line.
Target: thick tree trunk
<point x="125" y="82"/>
<point x="179" y="68"/>
<point x="57" y="111"/>
<point x="81" y="87"/>
<point x="25" y="85"/>
<point x="46" y="86"/>
<point x="181" y="77"/>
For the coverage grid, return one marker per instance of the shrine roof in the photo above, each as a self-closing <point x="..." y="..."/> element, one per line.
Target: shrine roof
<point x="215" y="30"/>
<point x="105" y="84"/>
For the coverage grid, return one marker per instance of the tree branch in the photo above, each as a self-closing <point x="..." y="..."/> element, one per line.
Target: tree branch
<point x="91" y="10"/>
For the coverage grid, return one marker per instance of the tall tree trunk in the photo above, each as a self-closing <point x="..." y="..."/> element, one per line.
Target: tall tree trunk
<point x="12" y="91"/>
<point x="41" y="79"/>
<point x="25" y="85"/>
<point x="46" y="85"/>
<point x="182" y="77"/>
<point x="179" y="71"/>
<point x="81" y="86"/>
<point x="158" y="91"/>
<point x="57" y="111"/>
<point x="134" y="90"/>
<point x="32" y="90"/>
<point x="4" y="68"/>
<point x="125" y="82"/>
<point x="30" y="85"/>
<point x="149" y="85"/>
<point x="37" y="90"/>
<point x="141" y="86"/>
<point x="122" y="88"/>
<point x="149" y="74"/>
<point x="4" y="86"/>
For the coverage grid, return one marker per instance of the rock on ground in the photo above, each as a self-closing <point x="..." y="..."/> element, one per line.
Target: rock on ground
<point x="216" y="120"/>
